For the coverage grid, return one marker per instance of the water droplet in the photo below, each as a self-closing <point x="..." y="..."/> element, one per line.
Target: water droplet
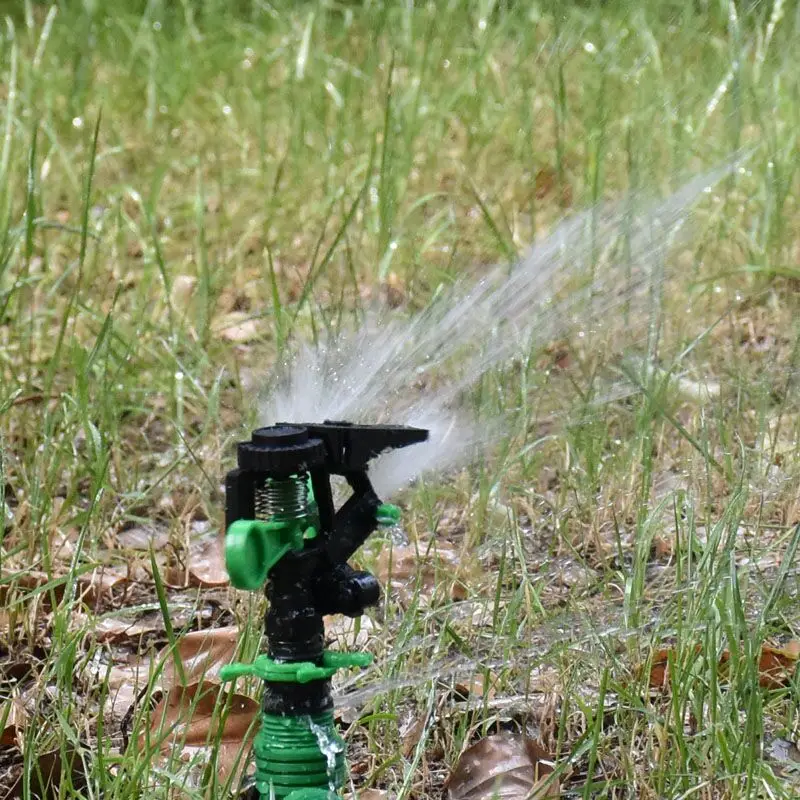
<point x="77" y="122"/>
<point x="226" y="110"/>
<point x="162" y="109"/>
<point x="393" y="245"/>
<point x="717" y="290"/>
<point x="156" y="26"/>
<point x="446" y="63"/>
<point x="482" y="24"/>
<point x="249" y="52"/>
<point x="589" y="47"/>
<point x="247" y="63"/>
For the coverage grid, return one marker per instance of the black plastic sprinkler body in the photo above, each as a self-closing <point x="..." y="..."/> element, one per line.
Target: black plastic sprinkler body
<point x="284" y="533"/>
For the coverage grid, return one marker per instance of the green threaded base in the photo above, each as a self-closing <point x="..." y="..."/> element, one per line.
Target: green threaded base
<point x="289" y="756"/>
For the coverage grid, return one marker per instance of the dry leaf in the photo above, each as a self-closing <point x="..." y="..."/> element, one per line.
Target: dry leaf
<point x="101" y="584"/>
<point x="502" y="767"/>
<point x="659" y="676"/>
<point x="143" y="538"/>
<point x="394" y="290"/>
<point x="372" y="794"/>
<point x="124" y="685"/>
<point x="476" y="687"/>
<point x="205" y="568"/>
<point x="238" y="327"/>
<point x="116" y="629"/>
<point x="348" y="633"/>
<point x="202" y="654"/>
<point x="47" y="778"/>
<point x="91" y="587"/>
<point x="13" y="720"/>
<point x="776" y="665"/>
<point x="189" y="719"/>
<point x="410" y="735"/>
<point x="544" y="182"/>
<point x="407" y="569"/>
<point x="182" y="291"/>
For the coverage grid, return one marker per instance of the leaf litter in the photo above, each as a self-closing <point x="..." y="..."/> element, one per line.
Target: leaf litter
<point x="503" y="767"/>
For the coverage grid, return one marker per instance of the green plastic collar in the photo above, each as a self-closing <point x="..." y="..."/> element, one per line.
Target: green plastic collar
<point x="299" y="672"/>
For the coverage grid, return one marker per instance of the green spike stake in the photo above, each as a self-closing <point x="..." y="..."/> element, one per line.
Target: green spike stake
<point x="284" y="534"/>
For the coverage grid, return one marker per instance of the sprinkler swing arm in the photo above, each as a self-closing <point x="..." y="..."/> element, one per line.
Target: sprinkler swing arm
<point x="285" y="535"/>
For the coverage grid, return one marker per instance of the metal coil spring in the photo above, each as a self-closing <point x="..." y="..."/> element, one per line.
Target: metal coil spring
<point x="282" y="499"/>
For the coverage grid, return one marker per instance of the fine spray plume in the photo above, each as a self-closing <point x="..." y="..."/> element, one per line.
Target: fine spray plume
<point x="415" y="371"/>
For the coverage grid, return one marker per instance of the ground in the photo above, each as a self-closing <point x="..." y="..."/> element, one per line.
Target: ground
<point x="187" y="189"/>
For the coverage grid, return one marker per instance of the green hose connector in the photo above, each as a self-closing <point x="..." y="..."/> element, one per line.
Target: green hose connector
<point x="299" y="757"/>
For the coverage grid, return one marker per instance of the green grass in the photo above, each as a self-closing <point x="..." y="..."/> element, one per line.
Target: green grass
<point x="187" y="187"/>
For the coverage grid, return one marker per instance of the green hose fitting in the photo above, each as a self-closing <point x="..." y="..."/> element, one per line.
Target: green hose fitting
<point x="301" y="758"/>
<point x="298" y="757"/>
<point x="387" y="515"/>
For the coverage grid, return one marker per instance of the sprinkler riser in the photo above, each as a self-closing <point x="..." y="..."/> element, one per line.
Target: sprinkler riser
<point x="283" y="533"/>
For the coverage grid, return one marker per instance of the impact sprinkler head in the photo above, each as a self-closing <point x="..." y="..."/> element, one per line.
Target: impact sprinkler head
<point x="284" y="534"/>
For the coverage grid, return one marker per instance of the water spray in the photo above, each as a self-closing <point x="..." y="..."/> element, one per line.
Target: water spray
<point x="285" y="535"/>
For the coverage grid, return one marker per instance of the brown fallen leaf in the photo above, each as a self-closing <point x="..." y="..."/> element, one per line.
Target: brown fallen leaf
<point x="124" y="685"/>
<point x="477" y="686"/>
<point x="410" y="734"/>
<point x="51" y="776"/>
<point x="544" y="184"/>
<point x="407" y="569"/>
<point x="238" y="327"/>
<point x="346" y="633"/>
<point x="202" y="654"/>
<point x="182" y="291"/>
<point x="394" y="290"/>
<point x="118" y="629"/>
<point x="13" y="720"/>
<point x="502" y="767"/>
<point x="205" y="567"/>
<point x="137" y="538"/>
<point x="90" y="588"/>
<point x="191" y="720"/>
<point x="775" y="666"/>
<point x="372" y="794"/>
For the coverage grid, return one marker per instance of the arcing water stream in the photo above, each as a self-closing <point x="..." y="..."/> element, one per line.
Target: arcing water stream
<point x="592" y="265"/>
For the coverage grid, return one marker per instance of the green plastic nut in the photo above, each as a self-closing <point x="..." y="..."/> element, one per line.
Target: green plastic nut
<point x="387" y="515"/>
<point x="253" y="547"/>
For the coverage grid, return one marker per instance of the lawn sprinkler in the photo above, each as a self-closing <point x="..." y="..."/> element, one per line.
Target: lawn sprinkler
<point x="284" y="534"/>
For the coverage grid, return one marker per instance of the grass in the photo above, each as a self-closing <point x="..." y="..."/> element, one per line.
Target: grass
<point x="186" y="188"/>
